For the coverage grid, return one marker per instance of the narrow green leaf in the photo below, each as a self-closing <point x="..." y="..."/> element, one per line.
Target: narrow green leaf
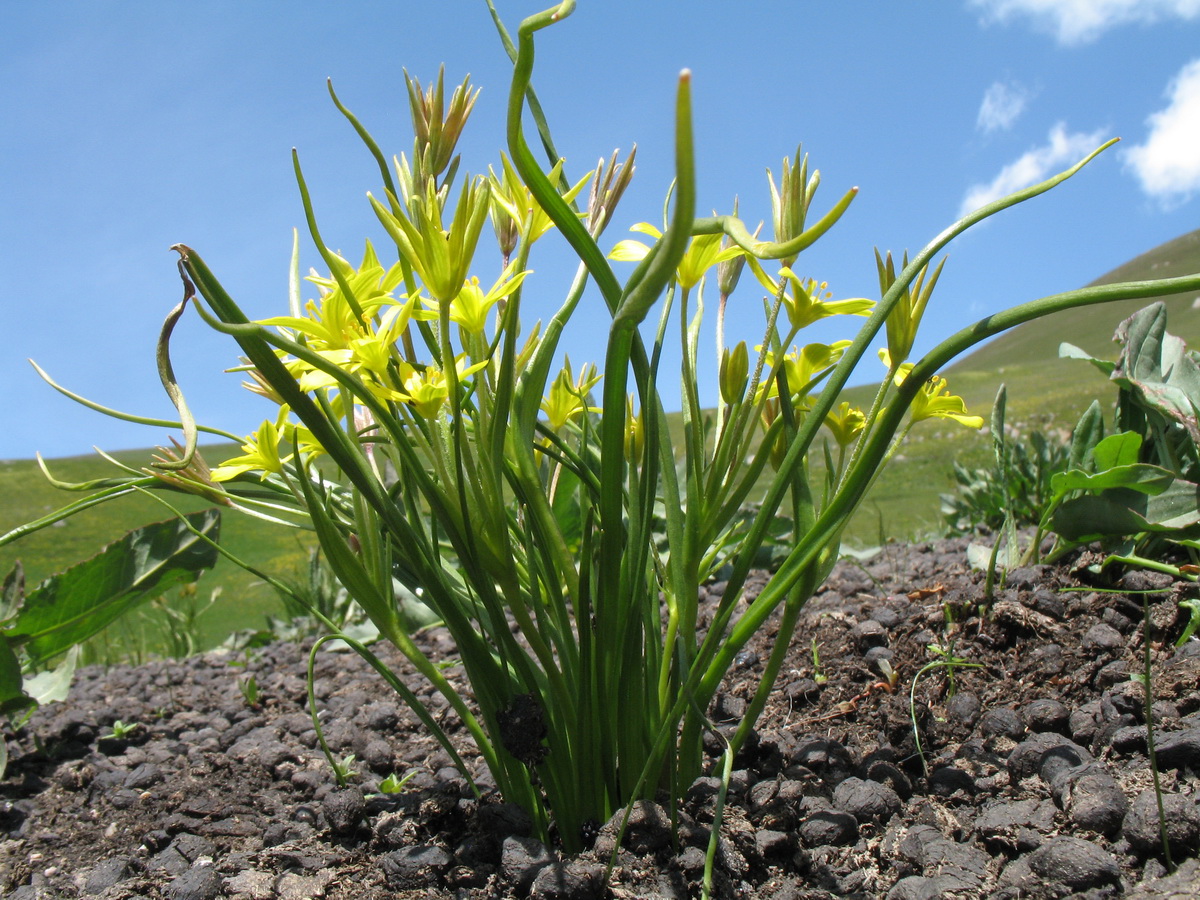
<point x="1086" y="436"/>
<point x="12" y="693"/>
<point x="12" y="595"/>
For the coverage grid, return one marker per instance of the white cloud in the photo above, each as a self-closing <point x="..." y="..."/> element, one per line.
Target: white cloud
<point x="1079" y="21"/>
<point x="1062" y="149"/>
<point x="1168" y="163"/>
<point x="1002" y="104"/>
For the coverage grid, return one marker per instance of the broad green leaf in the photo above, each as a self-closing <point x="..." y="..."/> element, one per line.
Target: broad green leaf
<point x="1117" y="450"/>
<point x="1158" y="368"/>
<point x="1126" y="512"/>
<point x="78" y="602"/>
<point x="53" y="684"/>
<point x="1144" y="478"/>
<point x="1091" y="518"/>
<point x="12" y="595"/>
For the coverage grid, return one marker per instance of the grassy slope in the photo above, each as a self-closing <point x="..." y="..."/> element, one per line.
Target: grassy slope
<point x="25" y="495"/>
<point x="1043" y="391"/>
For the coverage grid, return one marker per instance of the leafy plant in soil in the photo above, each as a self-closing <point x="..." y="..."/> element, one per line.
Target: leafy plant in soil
<point x="1016" y="487"/>
<point x="42" y="631"/>
<point x="1134" y="489"/>
<point x="427" y="438"/>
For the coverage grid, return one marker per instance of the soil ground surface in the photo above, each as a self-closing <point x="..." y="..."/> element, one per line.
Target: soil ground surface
<point x="1031" y="778"/>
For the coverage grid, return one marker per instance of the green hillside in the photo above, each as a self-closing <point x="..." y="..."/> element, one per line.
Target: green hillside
<point x="1026" y="358"/>
<point x="25" y="495"/>
<point x="1044" y="392"/>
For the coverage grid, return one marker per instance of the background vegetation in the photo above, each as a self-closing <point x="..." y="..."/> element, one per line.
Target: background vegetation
<point x="1044" y="392"/>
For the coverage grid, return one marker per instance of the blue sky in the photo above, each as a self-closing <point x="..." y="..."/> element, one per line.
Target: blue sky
<point x="130" y="126"/>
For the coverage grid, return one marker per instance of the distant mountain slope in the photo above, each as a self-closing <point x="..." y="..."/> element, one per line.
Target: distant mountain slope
<point x="1026" y="358"/>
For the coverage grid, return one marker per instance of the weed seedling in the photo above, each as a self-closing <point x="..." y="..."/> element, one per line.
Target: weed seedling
<point x="1147" y="691"/>
<point x="946" y="660"/>
<point x="393" y="784"/>
<point x="249" y="688"/>
<point x="819" y="675"/>
<point x="343" y="769"/>
<point x="1192" y="605"/>
<point x="121" y="730"/>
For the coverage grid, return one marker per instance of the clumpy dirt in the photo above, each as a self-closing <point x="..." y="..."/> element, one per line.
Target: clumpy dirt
<point x="1035" y="781"/>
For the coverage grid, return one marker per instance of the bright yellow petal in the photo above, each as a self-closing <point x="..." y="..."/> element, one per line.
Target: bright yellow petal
<point x="629" y="251"/>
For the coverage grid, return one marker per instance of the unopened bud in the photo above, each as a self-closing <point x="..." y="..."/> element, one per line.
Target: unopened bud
<point x="734" y="373"/>
<point x="635" y="433"/>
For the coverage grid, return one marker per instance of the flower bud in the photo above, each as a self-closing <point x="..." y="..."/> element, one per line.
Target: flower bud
<point x="730" y="270"/>
<point x="436" y="131"/>
<point x="608" y="184"/>
<point x="790" y="201"/>
<point x="770" y="412"/>
<point x="906" y="315"/>
<point x="635" y="433"/>
<point x="734" y="373"/>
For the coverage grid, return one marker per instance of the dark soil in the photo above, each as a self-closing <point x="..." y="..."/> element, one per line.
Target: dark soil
<point x="1035" y="782"/>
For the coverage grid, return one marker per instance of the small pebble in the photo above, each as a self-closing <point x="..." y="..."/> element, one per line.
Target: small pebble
<point x="1074" y="862"/>
<point x="867" y="801"/>
<point x="1141" y="826"/>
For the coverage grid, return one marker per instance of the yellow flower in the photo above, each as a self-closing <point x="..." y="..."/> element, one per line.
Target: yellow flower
<point x="261" y="452"/>
<point x="567" y="400"/>
<point x="511" y="200"/>
<point x="330" y="323"/>
<point x="934" y="400"/>
<point x="426" y="390"/>
<point x="703" y="253"/>
<point x="442" y="258"/>
<point x="902" y="370"/>
<point x="471" y="307"/>
<point x="800" y="367"/>
<point x="845" y="423"/>
<point x="806" y="301"/>
<point x="375" y="348"/>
